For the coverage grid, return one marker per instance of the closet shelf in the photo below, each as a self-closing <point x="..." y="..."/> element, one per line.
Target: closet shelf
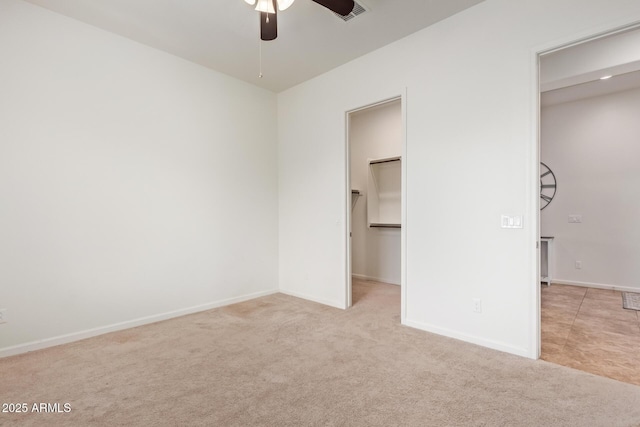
<point x="355" y="195"/>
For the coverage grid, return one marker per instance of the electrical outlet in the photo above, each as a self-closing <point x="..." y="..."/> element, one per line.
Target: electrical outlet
<point x="477" y="305"/>
<point x="578" y="265"/>
<point x="3" y="315"/>
<point x="575" y="219"/>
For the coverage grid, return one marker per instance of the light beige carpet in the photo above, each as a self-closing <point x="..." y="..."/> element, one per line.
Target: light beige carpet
<point x="282" y="361"/>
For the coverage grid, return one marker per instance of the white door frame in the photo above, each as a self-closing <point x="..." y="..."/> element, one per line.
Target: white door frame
<point x="403" y="194"/>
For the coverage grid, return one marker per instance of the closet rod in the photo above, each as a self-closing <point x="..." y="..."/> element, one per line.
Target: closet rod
<point x="377" y="225"/>
<point x="375" y="162"/>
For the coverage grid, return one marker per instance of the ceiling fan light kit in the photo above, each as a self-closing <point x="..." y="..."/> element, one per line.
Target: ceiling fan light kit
<point x="269" y="15"/>
<point x="268" y="11"/>
<point x="267" y="6"/>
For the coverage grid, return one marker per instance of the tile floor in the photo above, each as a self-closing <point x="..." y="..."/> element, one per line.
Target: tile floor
<point x="587" y="329"/>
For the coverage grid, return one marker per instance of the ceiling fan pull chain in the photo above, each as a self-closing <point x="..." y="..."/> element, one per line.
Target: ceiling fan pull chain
<point x="260" y="75"/>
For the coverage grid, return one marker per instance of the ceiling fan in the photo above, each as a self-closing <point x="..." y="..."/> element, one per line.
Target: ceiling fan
<point x="269" y="13"/>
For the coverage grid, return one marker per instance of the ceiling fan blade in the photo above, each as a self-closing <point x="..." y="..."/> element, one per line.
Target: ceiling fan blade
<point x="268" y="25"/>
<point x="341" y="7"/>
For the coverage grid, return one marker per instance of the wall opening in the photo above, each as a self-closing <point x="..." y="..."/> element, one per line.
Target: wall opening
<point x="589" y="101"/>
<point x="375" y="147"/>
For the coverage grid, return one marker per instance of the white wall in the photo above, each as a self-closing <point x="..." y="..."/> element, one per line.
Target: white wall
<point x="471" y="147"/>
<point x="131" y="186"/>
<point x="593" y="148"/>
<point x="374" y="133"/>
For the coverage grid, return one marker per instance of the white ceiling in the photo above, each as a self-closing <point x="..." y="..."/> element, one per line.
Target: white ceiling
<point x="618" y="83"/>
<point x="224" y="34"/>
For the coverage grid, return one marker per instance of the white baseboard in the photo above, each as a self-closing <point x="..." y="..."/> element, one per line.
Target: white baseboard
<point x="88" y="333"/>
<point x="314" y="299"/>
<point x="375" y="279"/>
<point x="594" y="285"/>
<point x="495" y="345"/>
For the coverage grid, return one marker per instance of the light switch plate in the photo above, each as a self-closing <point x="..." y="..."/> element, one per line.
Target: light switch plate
<point x="512" y="221"/>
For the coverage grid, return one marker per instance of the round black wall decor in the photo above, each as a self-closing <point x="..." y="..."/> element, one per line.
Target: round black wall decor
<point x="547" y="185"/>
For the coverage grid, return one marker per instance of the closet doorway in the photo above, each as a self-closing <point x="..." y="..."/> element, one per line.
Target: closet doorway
<point x="375" y="143"/>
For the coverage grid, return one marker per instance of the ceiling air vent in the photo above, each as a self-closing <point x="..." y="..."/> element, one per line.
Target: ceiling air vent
<point x="358" y="9"/>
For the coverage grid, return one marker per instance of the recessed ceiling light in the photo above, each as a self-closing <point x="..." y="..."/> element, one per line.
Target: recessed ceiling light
<point x="605" y="77"/>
